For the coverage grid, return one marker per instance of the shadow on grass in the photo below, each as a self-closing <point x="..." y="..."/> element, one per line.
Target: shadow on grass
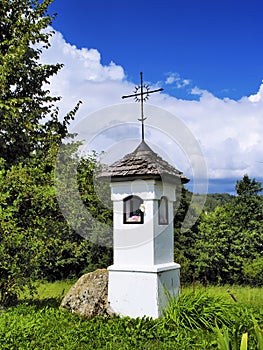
<point x="40" y="303"/>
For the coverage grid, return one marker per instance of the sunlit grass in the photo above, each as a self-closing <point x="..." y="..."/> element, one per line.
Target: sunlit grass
<point x="54" y="289"/>
<point x="48" y="290"/>
<point x="249" y="296"/>
<point x="189" y="323"/>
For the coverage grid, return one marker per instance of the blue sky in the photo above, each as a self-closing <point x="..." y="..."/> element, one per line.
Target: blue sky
<point x="215" y="44"/>
<point x="207" y="55"/>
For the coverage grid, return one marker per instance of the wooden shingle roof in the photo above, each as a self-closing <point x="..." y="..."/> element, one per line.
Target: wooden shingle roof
<point x="142" y="163"/>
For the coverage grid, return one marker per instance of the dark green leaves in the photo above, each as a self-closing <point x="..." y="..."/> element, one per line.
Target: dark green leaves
<point x="231" y="237"/>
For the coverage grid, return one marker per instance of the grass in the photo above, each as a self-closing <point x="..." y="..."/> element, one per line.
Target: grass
<point x="249" y="296"/>
<point x="199" y="310"/>
<point x="56" y="289"/>
<point x="245" y="295"/>
<point x="26" y="327"/>
<point x="198" y="320"/>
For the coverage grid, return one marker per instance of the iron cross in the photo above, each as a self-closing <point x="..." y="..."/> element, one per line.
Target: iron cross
<point x="141" y="94"/>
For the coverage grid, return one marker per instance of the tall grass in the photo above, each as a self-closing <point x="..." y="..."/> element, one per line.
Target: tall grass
<point x="198" y="319"/>
<point x="48" y="328"/>
<point x="252" y="339"/>
<point x="198" y="310"/>
<point x="246" y="295"/>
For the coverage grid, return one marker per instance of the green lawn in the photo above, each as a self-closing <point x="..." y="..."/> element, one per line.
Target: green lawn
<point x="53" y="290"/>
<point x="193" y="322"/>
<point x="249" y="296"/>
<point x="246" y="295"/>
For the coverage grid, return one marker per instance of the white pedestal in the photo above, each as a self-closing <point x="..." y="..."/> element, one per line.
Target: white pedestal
<point x="142" y="291"/>
<point x="144" y="274"/>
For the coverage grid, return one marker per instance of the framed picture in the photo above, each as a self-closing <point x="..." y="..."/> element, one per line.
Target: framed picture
<point x="133" y="210"/>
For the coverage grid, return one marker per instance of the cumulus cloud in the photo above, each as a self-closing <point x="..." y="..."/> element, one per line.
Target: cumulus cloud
<point x="83" y="77"/>
<point x="258" y="97"/>
<point x="229" y="131"/>
<point x="84" y="64"/>
<point x="176" y="80"/>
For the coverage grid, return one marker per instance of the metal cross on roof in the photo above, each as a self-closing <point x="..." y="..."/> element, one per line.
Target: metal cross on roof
<point x="141" y="94"/>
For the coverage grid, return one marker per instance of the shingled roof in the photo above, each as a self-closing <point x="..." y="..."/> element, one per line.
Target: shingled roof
<point x="142" y="163"/>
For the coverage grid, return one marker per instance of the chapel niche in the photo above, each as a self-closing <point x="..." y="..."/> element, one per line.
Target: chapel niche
<point x="163" y="211"/>
<point x="133" y="210"/>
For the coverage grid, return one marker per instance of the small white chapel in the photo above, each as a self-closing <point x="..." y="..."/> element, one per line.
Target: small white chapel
<point x="144" y="274"/>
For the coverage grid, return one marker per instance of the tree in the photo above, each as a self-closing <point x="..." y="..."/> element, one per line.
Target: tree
<point x="248" y="187"/>
<point x="29" y="121"/>
<point x="184" y="242"/>
<point x="35" y="240"/>
<point x="231" y="236"/>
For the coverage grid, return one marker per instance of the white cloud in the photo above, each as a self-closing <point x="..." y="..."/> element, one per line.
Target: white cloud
<point x="174" y="78"/>
<point x="258" y="97"/>
<point x="170" y="80"/>
<point x="83" y="77"/>
<point x="84" y="64"/>
<point x="229" y="132"/>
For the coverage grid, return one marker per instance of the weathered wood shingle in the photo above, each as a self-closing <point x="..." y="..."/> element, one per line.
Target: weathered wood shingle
<point x="143" y="162"/>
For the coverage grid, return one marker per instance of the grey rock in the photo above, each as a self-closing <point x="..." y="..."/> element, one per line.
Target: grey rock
<point x="88" y="297"/>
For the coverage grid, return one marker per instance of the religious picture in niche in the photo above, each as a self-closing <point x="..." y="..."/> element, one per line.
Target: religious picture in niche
<point x="163" y="211"/>
<point x="133" y="210"/>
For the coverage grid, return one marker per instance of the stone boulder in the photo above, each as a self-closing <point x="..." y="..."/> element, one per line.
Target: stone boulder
<point x="88" y="297"/>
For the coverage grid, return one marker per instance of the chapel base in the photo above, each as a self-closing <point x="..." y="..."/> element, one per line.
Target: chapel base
<point x="142" y="292"/>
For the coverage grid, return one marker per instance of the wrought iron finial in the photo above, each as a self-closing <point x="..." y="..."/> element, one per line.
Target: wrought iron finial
<point x="141" y="94"/>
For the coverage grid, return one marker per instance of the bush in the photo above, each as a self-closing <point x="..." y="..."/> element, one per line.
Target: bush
<point x="253" y="271"/>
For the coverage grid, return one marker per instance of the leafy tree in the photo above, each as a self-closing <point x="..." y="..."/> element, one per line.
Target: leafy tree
<point x="29" y="121"/>
<point x="253" y="271"/>
<point x="214" y="200"/>
<point x="80" y="202"/>
<point x="248" y="187"/>
<point x="35" y="240"/>
<point x="184" y="242"/>
<point x="231" y="236"/>
<point x="31" y="230"/>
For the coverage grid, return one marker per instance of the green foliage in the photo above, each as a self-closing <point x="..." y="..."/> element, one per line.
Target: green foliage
<point x="248" y="187"/>
<point x="80" y="204"/>
<point x="223" y="340"/>
<point x="214" y="200"/>
<point x="35" y="239"/>
<point x="259" y="335"/>
<point x="27" y="327"/>
<point x="227" y="340"/>
<point x="40" y="324"/>
<point x="198" y="311"/>
<point x="253" y="271"/>
<point x="96" y="197"/>
<point x="184" y="242"/>
<point x="29" y="123"/>
<point x="231" y="237"/>
<point x="30" y="240"/>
